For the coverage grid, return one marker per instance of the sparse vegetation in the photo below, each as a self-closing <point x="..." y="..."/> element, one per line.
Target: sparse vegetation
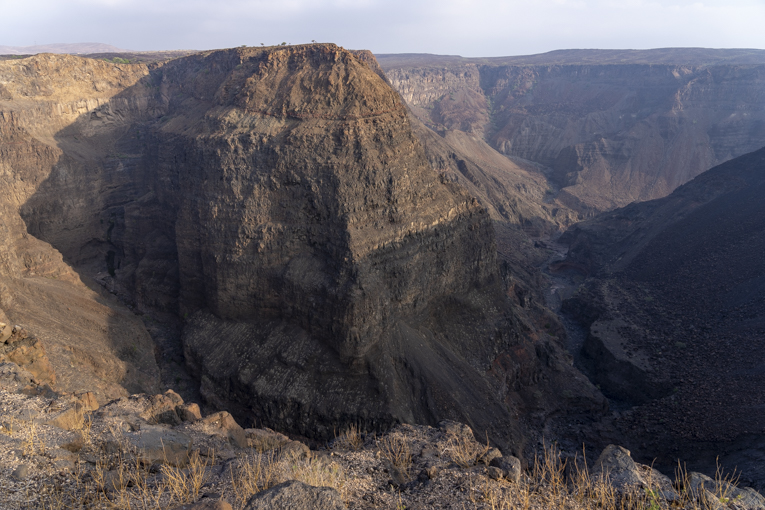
<point x="351" y="439"/>
<point x="120" y="480"/>
<point x="395" y="448"/>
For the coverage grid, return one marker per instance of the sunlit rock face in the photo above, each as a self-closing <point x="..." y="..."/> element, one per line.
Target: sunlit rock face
<point x="613" y="127"/>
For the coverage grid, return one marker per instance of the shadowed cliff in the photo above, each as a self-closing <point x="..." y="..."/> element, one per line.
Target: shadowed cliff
<point x="675" y="307"/>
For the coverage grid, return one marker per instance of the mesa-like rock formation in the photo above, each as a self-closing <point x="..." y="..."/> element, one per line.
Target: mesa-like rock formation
<point x="278" y="201"/>
<point x="612" y="127"/>
<point x="675" y="312"/>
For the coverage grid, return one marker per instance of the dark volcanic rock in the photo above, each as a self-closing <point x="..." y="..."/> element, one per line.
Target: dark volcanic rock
<point x="325" y="266"/>
<point x="676" y="311"/>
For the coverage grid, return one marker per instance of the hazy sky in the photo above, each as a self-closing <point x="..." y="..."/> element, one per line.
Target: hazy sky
<point x="468" y="28"/>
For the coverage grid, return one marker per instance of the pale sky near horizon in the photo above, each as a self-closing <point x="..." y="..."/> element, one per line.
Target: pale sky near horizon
<point x="457" y="27"/>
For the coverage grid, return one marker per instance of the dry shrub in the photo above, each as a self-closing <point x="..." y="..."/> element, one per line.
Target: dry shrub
<point x="258" y="472"/>
<point x="32" y="444"/>
<point x="395" y="448"/>
<point x="254" y="473"/>
<point x="184" y="484"/>
<point x="317" y="472"/>
<point x="463" y="450"/>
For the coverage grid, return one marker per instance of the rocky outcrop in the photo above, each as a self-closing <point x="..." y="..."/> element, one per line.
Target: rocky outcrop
<point x="613" y="127"/>
<point x="278" y="201"/>
<point x="26" y="352"/>
<point x="114" y="454"/>
<point x="324" y="265"/>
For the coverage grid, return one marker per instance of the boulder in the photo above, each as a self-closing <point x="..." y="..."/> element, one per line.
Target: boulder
<point x="29" y="354"/>
<point x="265" y="439"/>
<point x="162" y="410"/>
<point x="487" y="456"/>
<point x="510" y="466"/>
<point x="748" y="498"/>
<point x="227" y="426"/>
<point x="69" y="419"/>
<point x="295" y="450"/>
<point x="189" y="412"/>
<point x="174" y="397"/>
<point x="616" y="465"/>
<point x="5" y="332"/>
<point x="294" y="495"/>
<point x="155" y="444"/>
<point x="88" y="401"/>
<point x="13" y="378"/>
<point x="705" y="488"/>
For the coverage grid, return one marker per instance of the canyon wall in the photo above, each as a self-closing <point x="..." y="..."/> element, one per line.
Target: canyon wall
<point x="278" y="201"/>
<point x="93" y="342"/>
<point x="674" y="306"/>
<point x="630" y="128"/>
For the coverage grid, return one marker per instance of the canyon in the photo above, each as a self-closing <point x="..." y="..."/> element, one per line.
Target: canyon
<point x="673" y="308"/>
<point x="276" y="210"/>
<point x="609" y="126"/>
<point x="310" y="240"/>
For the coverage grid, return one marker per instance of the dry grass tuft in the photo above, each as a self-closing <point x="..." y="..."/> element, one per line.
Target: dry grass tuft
<point x="351" y="439"/>
<point x="317" y="472"/>
<point x="254" y="473"/>
<point x="184" y="484"/>
<point x="463" y="450"/>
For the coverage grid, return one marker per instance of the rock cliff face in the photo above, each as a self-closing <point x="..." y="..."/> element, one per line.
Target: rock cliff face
<point x="91" y="340"/>
<point x="278" y="200"/>
<point x="675" y="308"/>
<point x="631" y="128"/>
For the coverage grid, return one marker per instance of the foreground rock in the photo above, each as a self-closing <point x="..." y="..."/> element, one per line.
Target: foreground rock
<point x="298" y="496"/>
<point x="117" y="458"/>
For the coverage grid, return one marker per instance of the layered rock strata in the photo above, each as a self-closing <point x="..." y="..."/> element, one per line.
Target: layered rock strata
<point x="90" y="340"/>
<point x="278" y="201"/>
<point x="612" y="127"/>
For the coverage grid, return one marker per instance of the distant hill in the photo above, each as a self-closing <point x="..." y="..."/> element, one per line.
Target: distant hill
<point x="667" y="56"/>
<point x="73" y="48"/>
